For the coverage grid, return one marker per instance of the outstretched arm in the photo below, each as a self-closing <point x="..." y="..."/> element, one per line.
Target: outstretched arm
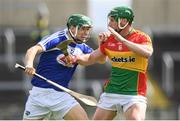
<point x="89" y="59"/>
<point x="141" y="49"/>
<point x="29" y="58"/>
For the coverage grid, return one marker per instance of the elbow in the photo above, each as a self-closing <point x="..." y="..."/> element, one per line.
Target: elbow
<point x="102" y="60"/>
<point x="34" y="49"/>
<point x="29" y="50"/>
<point x="148" y="54"/>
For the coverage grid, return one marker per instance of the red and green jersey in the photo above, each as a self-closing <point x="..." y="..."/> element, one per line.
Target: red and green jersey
<point x="128" y="75"/>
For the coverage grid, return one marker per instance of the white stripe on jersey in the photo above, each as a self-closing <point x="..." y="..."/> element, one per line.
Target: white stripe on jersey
<point x="52" y="49"/>
<point x="53" y="36"/>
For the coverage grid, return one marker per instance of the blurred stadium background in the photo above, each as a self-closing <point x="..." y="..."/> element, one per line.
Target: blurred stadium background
<point x="23" y="21"/>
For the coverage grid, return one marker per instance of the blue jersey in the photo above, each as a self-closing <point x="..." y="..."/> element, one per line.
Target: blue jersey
<point x="51" y="65"/>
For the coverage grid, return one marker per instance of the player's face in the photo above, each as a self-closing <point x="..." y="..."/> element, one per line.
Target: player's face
<point x="123" y="22"/>
<point x="83" y="33"/>
<point x="112" y="23"/>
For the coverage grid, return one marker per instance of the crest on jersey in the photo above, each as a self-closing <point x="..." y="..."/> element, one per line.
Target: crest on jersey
<point x="60" y="59"/>
<point x="119" y="46"/>
<point x="70" y="51"/>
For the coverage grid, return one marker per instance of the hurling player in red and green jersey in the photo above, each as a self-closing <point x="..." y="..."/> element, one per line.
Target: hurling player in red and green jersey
<point x="128" y="51"/>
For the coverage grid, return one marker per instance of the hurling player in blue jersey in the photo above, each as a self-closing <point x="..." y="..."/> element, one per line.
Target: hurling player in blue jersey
<point x="45" y="99"/>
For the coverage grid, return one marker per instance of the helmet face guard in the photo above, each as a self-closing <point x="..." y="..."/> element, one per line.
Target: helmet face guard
<point x="119" y="13"/>
<point x="78" y="20"/>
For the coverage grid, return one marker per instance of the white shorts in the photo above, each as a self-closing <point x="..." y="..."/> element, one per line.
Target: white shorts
<point x="42" y="102"/>
<point x="114" y="102"/>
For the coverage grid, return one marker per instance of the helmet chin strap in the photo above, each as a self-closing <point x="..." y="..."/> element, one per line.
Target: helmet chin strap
<point x="119" y="24"/>
<point x="120" y="28"/>
<point x="74" y="36"/>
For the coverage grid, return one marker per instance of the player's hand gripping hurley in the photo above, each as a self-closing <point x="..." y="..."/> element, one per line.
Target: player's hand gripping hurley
<point x="88" y="100"/>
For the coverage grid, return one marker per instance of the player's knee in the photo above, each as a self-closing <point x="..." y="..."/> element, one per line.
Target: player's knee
<point x="133" y="117"/>
<point x="136" y="117"/>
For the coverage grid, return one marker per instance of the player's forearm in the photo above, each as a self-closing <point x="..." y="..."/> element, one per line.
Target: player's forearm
<point x="30" y="55"/>
<point x="85" y="59"/>
<point x="88" y="59"/>
<point x="143" y="50"/>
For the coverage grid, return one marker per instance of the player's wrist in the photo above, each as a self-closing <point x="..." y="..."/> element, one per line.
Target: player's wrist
<point x="74" y="59"/>
<point x="29" y="66"/>
<point x="123" y="40"/>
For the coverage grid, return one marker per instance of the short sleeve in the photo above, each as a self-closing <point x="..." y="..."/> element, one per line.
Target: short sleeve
<point x="87" y="49"/>
<point x="52" y="40"/>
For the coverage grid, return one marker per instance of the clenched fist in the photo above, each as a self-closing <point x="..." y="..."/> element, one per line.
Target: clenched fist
<point x="102" y="37"/>
<point x="30" y="70"/>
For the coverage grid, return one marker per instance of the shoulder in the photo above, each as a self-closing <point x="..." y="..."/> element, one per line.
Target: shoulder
<point x="142" y="36"/>
<point x="85" y="48"/>
<point x="82" y="46"/>
<point x="54" y="39"/>
<point x="59" y="35"/>
<point x="62" y="33"/>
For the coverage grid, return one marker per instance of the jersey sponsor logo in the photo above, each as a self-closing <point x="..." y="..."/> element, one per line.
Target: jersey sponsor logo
<point x="123" y="59"/>
<point x="60" y="59"/>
